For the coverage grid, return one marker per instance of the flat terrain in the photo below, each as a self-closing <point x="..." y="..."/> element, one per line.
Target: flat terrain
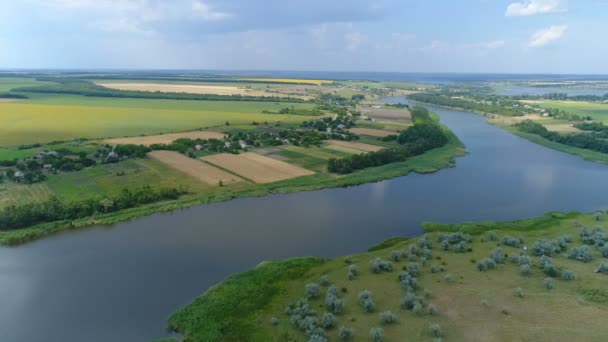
<point x="166" y="138"/>
<point x="470" y="305"/>
<point x="288" y="80"/>
<point x="372" y="132"/>
<point x="383" y="113"/>
<point x="598" y="111"/>
<point x="191" y="88"/>
<point x="195" y="168"/>
<point x="51" y="118"/>
<point x="257" y="168"/>
<point x="355" y="145"/>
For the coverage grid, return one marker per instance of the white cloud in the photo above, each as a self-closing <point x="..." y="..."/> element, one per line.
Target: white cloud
<point x="547" y="36"/>
<point x="534" y="7"/>
<point x="206" y="13"/>
<point x="353" y="40"/>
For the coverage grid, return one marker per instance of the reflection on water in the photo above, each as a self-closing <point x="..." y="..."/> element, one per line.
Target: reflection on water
<point x="120" y="284"/>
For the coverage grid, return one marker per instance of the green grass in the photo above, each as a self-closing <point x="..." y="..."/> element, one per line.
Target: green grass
<point x="598" y="111"/>
<point x="8" y="83"/>
<point x="10" y="154"/>
<point x="58" y="117"/>
<point x="16" y="194"/>
<point x="103" y="179"/>
<point x="573" y="310"/>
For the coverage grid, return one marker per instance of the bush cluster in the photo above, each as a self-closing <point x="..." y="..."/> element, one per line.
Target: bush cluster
<point x="581" y="253"/>
<point x="366" y="301"/>
<point x="379" y="265"/>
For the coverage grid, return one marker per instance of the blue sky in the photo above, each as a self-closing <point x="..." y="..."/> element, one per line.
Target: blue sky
<point x="510" y="36"/>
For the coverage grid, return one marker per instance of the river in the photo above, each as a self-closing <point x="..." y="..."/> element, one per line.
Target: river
<point x="120" y="283"/>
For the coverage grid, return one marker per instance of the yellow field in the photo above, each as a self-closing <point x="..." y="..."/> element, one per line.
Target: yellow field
<point x="195" y="168"/>
<point x="165" y="138"/>
<point x="191" y="88"/>
<point x="288" y="80"/>
<point x="258" y="168"/>
<point x="355" y="145"/>
<point x="372" y="132"/>
<point x="22" y="122"/>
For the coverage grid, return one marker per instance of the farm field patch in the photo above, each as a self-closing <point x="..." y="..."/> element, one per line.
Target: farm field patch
<point x="191" y="88"/>
<point x="23" y="122"/>
<point x="288" y="80"/>
<point x="195" y="168"/>
<point x="257" y="168"/>
<point x="360" y="147"/>
<point x="16" y="194"/>
<point x="166" y="138"/>
<point x="372" y="132"/>
<point x="381" y="113"/>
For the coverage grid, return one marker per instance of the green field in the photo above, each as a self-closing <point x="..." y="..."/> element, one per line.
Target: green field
<point x="470" y="305"/>
<point x="598" y="111"/>
<point x="10" y="154"/>
<point x="48" y="118"/>
<point x="8" y="83"/>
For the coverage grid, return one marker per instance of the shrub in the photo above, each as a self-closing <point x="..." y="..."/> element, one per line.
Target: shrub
<point x="604" y="251"/>
<point x="376" y="334"/>
<point x="328" y="320"/>
<point x="460" y="247"/>
<point x="409" y="301"/>
<point x="425" y="242"/>
<point x="523" y="260"/>
<point x="426" y="252"/>
<point x="548" y="268"/>
<point x="516" y="242"/>
<point x="486" y="264"/>
<point x="312" y="290"/>
<point x="428" y="293"/>
<point x="485" y="303"/>
<point x="353" y="271"/>
<point x="436" y="330"/>
<point x="549" y="283"/>
<point x="274" y="321"/>
<point x="333" y="302"/>
<point x="519" y="292"/>
<point x="505" y="311"/>
<point x="543" y="247"/>
<point x="413" y="268"/>
<point x="324" y="280"/>
<point x="525" y="270"/>
<point x="378" y="265"/>
<point x="408" y="281"/>
<point x="598" y="216"/>
<point x="417" y="310"/>
<point x="345" y="333"/>
<point x="388" y="317"/>
<point x="431" y="309"/>
<point x="581" y="253"/>
<point x="396" y="255"/>
<point x="498" y="256"/>
<point x="317" y="338"/>
<point x="603" y="268"/>
<point x="449" y="278"/>
<point x="568" y="275"/>
<point x="366" y="301"/>
<point x="491" y="236"/>
<point x="435" y="269"/>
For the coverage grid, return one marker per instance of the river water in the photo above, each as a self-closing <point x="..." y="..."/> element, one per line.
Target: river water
<point x="120" y="283"/>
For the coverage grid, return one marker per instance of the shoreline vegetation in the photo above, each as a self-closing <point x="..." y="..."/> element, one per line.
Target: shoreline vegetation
<point x="428" y="162"/>
<point x="586" y="154"/>
<point x="514" y="273"/>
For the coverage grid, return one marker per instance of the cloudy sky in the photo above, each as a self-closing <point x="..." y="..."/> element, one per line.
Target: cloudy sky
<point x="510" y="36"/>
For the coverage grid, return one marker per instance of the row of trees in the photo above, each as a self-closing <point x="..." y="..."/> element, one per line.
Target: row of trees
<point x="26" y="215"/>
<point x="483" y="103"/>
<point x="423" y="136"/>
<point x="584" y="141"/>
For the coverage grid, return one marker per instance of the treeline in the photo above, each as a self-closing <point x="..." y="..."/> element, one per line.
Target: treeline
<point x="84" y="88"/>
<point x="504" y="106"/>
<point x="13" y="96"/>
<point x="423" y="136"/>
<point x="584" y="141"/>
<point x="564" y="97"/>
<point x="26" y="215"/>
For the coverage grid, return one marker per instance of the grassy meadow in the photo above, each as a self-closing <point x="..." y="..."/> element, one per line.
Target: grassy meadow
<point x="50" y="118"/>
<point x="499" y="304"/>
<point x="598" y="111"/>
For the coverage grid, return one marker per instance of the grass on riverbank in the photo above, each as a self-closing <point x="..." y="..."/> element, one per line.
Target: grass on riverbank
<point x="467" y="304"/>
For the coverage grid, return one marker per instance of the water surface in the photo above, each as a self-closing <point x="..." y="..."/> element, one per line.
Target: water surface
<point x="121" y="283"/>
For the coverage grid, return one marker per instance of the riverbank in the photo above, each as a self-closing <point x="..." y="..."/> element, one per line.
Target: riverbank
<point x="429" y="162"/>
<point x="583" y="153"/>
<point x="506" y="292"/>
